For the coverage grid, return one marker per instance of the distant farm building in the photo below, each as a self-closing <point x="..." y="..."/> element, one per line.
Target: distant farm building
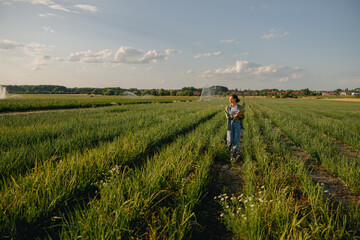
<point x="328" y="93"/>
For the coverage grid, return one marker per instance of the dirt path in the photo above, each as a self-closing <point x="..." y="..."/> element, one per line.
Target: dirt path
<point x="343" y="99"/>
<point x="344" y="149"/>
<point x="335" y="189"/>
<point x="226" y="177"/>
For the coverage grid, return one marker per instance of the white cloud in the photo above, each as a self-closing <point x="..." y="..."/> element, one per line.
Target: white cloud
<point x="42" y="2"/>
<point x="241" y="54"/>
<point x="48" y="29"/>
<point x="57" y="59"/>
<point x="189" y="72"/>
<point x="284" y="79"/>
<point x="133" y="55"/>
<point x="87" y="7"/>
<point x="208" y="54"/>
<point x="47" y="15"/>
<point x="30" y="49"/>
<point x="48" y="3"/>
<point x="153" y="56"/>
<point x="293" y="76"/>
<point x="172" y="51"/>
<point x="248" y="70"/>
<point x="59" y="7"/>
<point x="6" y="3"/>
<point x="33" y="49"/>
<point x="275" y="32"/>
<point x="227" y="41"/>
<point x="89" y="57"/>
<point x="6" y="44"/>
<point x="43" y="60"/>
<point x="39" y="62"/>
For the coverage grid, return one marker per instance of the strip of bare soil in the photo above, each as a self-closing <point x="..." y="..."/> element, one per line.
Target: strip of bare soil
<point x="225" y="177"/>
<point x="343" y="99"/>
<point x="344" y="149"/>
<point x="335" y="189"/>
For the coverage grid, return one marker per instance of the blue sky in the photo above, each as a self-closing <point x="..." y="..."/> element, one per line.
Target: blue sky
<point x="245" y="44"/>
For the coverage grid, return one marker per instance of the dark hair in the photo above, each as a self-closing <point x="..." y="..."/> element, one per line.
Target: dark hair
<point x="235" y="97"/>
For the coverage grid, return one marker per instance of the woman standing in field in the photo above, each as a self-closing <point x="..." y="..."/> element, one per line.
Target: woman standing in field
<point x="234" y="114"/>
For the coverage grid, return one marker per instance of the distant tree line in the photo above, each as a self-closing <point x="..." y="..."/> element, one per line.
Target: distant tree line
<point x="55" y="89"/>
<point x="185" y="91"/>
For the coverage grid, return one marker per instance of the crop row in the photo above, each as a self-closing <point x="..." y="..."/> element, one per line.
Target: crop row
<point x="30" y="201"/>
<point x="320" y="148"/>
<point x="45" y="136"/>
<point x="47" y="102"/>
<point x="340" y="122"/>
<point x="279" y="200"/>
<point x="156" y="200"/>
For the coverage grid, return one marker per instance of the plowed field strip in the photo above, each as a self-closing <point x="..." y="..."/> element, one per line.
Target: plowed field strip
<point x="344" y="130"/>
<point x="335" y="188"/>
<point x="320" y="148"/>
<point x="344" y="149"/>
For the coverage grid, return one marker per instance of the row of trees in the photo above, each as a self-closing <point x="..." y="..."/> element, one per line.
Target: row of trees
<point x="54" y="89"/>
<point x="185" y="91"/>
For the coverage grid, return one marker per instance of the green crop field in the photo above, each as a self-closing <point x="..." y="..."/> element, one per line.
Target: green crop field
<point x="109" y="167"/>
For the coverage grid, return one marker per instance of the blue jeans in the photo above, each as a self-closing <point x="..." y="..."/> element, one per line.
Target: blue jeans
<point x="233" y="135"/>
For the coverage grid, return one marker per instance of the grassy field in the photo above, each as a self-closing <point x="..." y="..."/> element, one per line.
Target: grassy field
<point x="31" y="102"/>
<point x="111" y="168"/>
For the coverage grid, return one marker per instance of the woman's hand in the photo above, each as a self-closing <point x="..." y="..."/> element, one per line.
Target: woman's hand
<point x="238" y="115"/>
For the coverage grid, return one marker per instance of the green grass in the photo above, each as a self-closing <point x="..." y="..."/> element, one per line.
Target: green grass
<point x="29" y="140"/>
<point x="156" y="200"/>
<point x="33" y="199"/>
<point x="138" y="171"/>
<point x="33" y="102"/>
<point x="279" y="200"/>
